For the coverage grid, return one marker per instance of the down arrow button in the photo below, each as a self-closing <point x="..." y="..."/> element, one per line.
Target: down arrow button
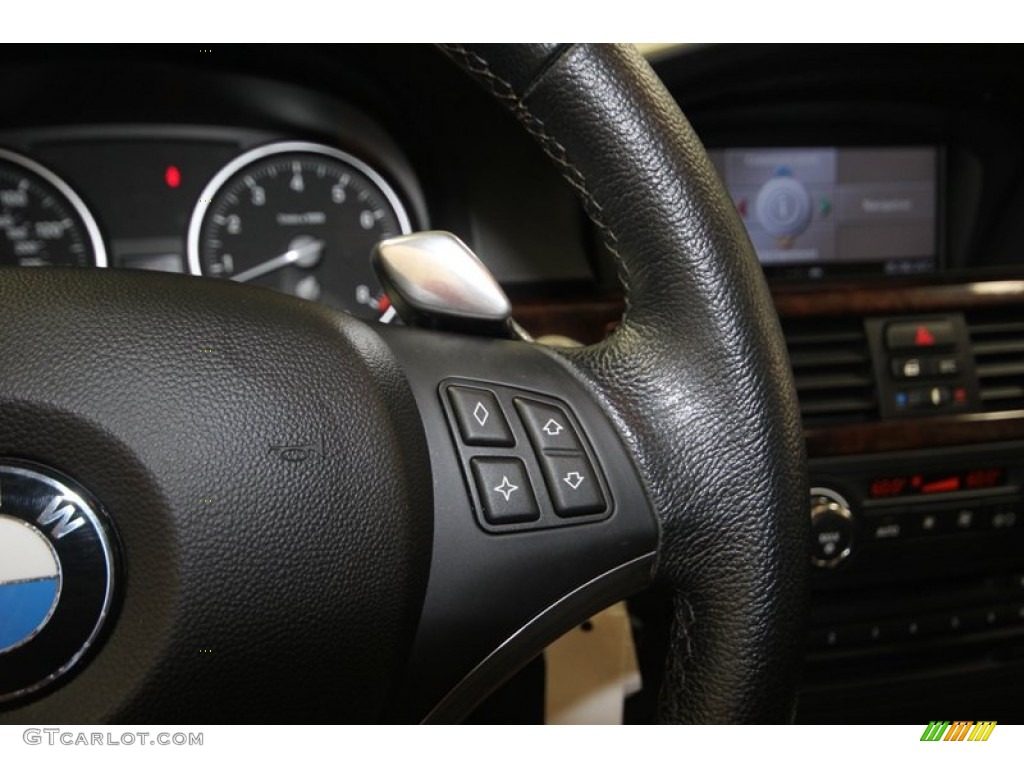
<point x="574" y="488"/>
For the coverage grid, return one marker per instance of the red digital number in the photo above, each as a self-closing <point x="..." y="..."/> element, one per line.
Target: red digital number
<point x="884" y="487"/>
<point x="984" y="478"/>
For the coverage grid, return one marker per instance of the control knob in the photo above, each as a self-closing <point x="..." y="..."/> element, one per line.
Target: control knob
<point x="831" y="528"/>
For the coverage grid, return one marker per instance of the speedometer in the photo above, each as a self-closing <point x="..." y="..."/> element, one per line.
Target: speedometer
<point x="301" y="218"/>
<point x="43" y="223"/>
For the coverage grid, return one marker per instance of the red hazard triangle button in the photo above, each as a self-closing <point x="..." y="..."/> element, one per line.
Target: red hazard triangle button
<point x="911" y="335"/>
<point x="923" y="337"/>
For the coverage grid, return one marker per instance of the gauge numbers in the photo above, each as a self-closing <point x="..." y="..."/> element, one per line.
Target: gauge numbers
<point x="299" y="218"/>
<point x="43" y="223"/>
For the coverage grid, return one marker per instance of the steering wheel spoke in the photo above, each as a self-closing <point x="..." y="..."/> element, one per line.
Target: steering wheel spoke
<point x="540" y="518"/>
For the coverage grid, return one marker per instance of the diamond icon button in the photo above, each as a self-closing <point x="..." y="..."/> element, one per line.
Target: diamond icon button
<point x="480" y="413"/>
<point x="479" y="417"/>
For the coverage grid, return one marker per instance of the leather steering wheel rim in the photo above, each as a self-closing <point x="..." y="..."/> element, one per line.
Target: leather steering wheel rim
<point x="696" y="376"/>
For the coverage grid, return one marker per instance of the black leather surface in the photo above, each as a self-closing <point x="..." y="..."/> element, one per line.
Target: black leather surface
<point x="256" y="589"/>
<point x="521" y="64"/>
<point x="696" y="376"/>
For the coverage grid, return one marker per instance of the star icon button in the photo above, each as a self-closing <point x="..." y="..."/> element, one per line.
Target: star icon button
<point x="506" y="488"/>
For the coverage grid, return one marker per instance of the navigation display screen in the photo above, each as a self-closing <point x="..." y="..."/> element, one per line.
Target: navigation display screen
<point x="825" y="212"/>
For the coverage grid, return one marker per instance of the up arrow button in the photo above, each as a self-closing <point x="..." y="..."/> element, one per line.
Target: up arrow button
<point x="553" y="428"/>
<point x="548" y="425"/>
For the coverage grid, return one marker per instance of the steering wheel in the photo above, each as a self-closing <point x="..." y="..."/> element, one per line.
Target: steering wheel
<point x="315" y="521"/>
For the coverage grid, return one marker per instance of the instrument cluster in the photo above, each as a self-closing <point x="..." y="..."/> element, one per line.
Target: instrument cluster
<point x="296" y="216"/>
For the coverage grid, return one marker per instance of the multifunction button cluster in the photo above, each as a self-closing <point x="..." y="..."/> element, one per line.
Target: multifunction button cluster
<point x="525" y="457"/>
<point x="928" y="366"/>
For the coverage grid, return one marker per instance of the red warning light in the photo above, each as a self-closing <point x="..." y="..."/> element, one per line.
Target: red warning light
<point x="923" y="337"/>
<point x="172" y="176"/>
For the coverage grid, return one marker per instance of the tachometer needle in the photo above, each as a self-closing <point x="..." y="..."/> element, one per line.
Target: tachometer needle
<point x="306" y="255"/>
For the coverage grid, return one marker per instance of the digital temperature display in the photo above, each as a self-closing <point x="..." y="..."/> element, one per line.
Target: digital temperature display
<point x="928" y="484"/>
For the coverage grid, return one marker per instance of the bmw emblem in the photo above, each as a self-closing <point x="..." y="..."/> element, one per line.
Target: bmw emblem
<point x="57" y="563"/>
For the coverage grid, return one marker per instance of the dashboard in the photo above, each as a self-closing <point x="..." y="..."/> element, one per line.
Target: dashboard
<point x="882" y="187"/>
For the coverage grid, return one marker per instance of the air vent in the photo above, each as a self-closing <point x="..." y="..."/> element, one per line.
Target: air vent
<point x="832" y="369"/>
<point x="997" y="336"/>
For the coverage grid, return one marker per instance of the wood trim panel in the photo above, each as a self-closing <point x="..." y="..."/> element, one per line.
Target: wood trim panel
<point x="874" y="299"/>
<point x="588" y="320"/>
<point x="910" y="434"/>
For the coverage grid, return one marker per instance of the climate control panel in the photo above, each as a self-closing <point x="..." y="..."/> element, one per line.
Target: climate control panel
<point x="914" y="551"/>
<point x="870" y="519"/>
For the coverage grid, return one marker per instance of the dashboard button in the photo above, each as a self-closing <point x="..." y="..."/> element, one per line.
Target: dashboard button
<point x="831" y="528"/>
<point x="888" y="528"/>
<point x="933" y="522"/>
<point x="479" y="417"/>
<point x="954" y="622"/>
<point x="831" y="536"/>
<point x="927" y="523"/>
<point x="968" y="620"/>
<point x="919" y="336"/>
<point x="927" y="398"/>
<point x="548" y="426"/>
<point x="1003" y="517"/>
<point x="912" y="629"/>
<point x="889" y="631"/>
<point x="965" y="519"/>
<point x="998" y="616"/>
<point x="924" y="367"/>
<point x="908" y="367"/>
<point x="573" y="485"/>
<point x="505" y="491"/>
<point x="829" y="638"/>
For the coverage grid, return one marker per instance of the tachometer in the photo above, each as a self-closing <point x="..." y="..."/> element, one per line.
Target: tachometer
<point x="298" y="217"/>
<point x="43" y="223"/>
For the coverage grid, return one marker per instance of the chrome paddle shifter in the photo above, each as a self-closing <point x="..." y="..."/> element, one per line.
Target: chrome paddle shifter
<point x="434" y="280"/>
